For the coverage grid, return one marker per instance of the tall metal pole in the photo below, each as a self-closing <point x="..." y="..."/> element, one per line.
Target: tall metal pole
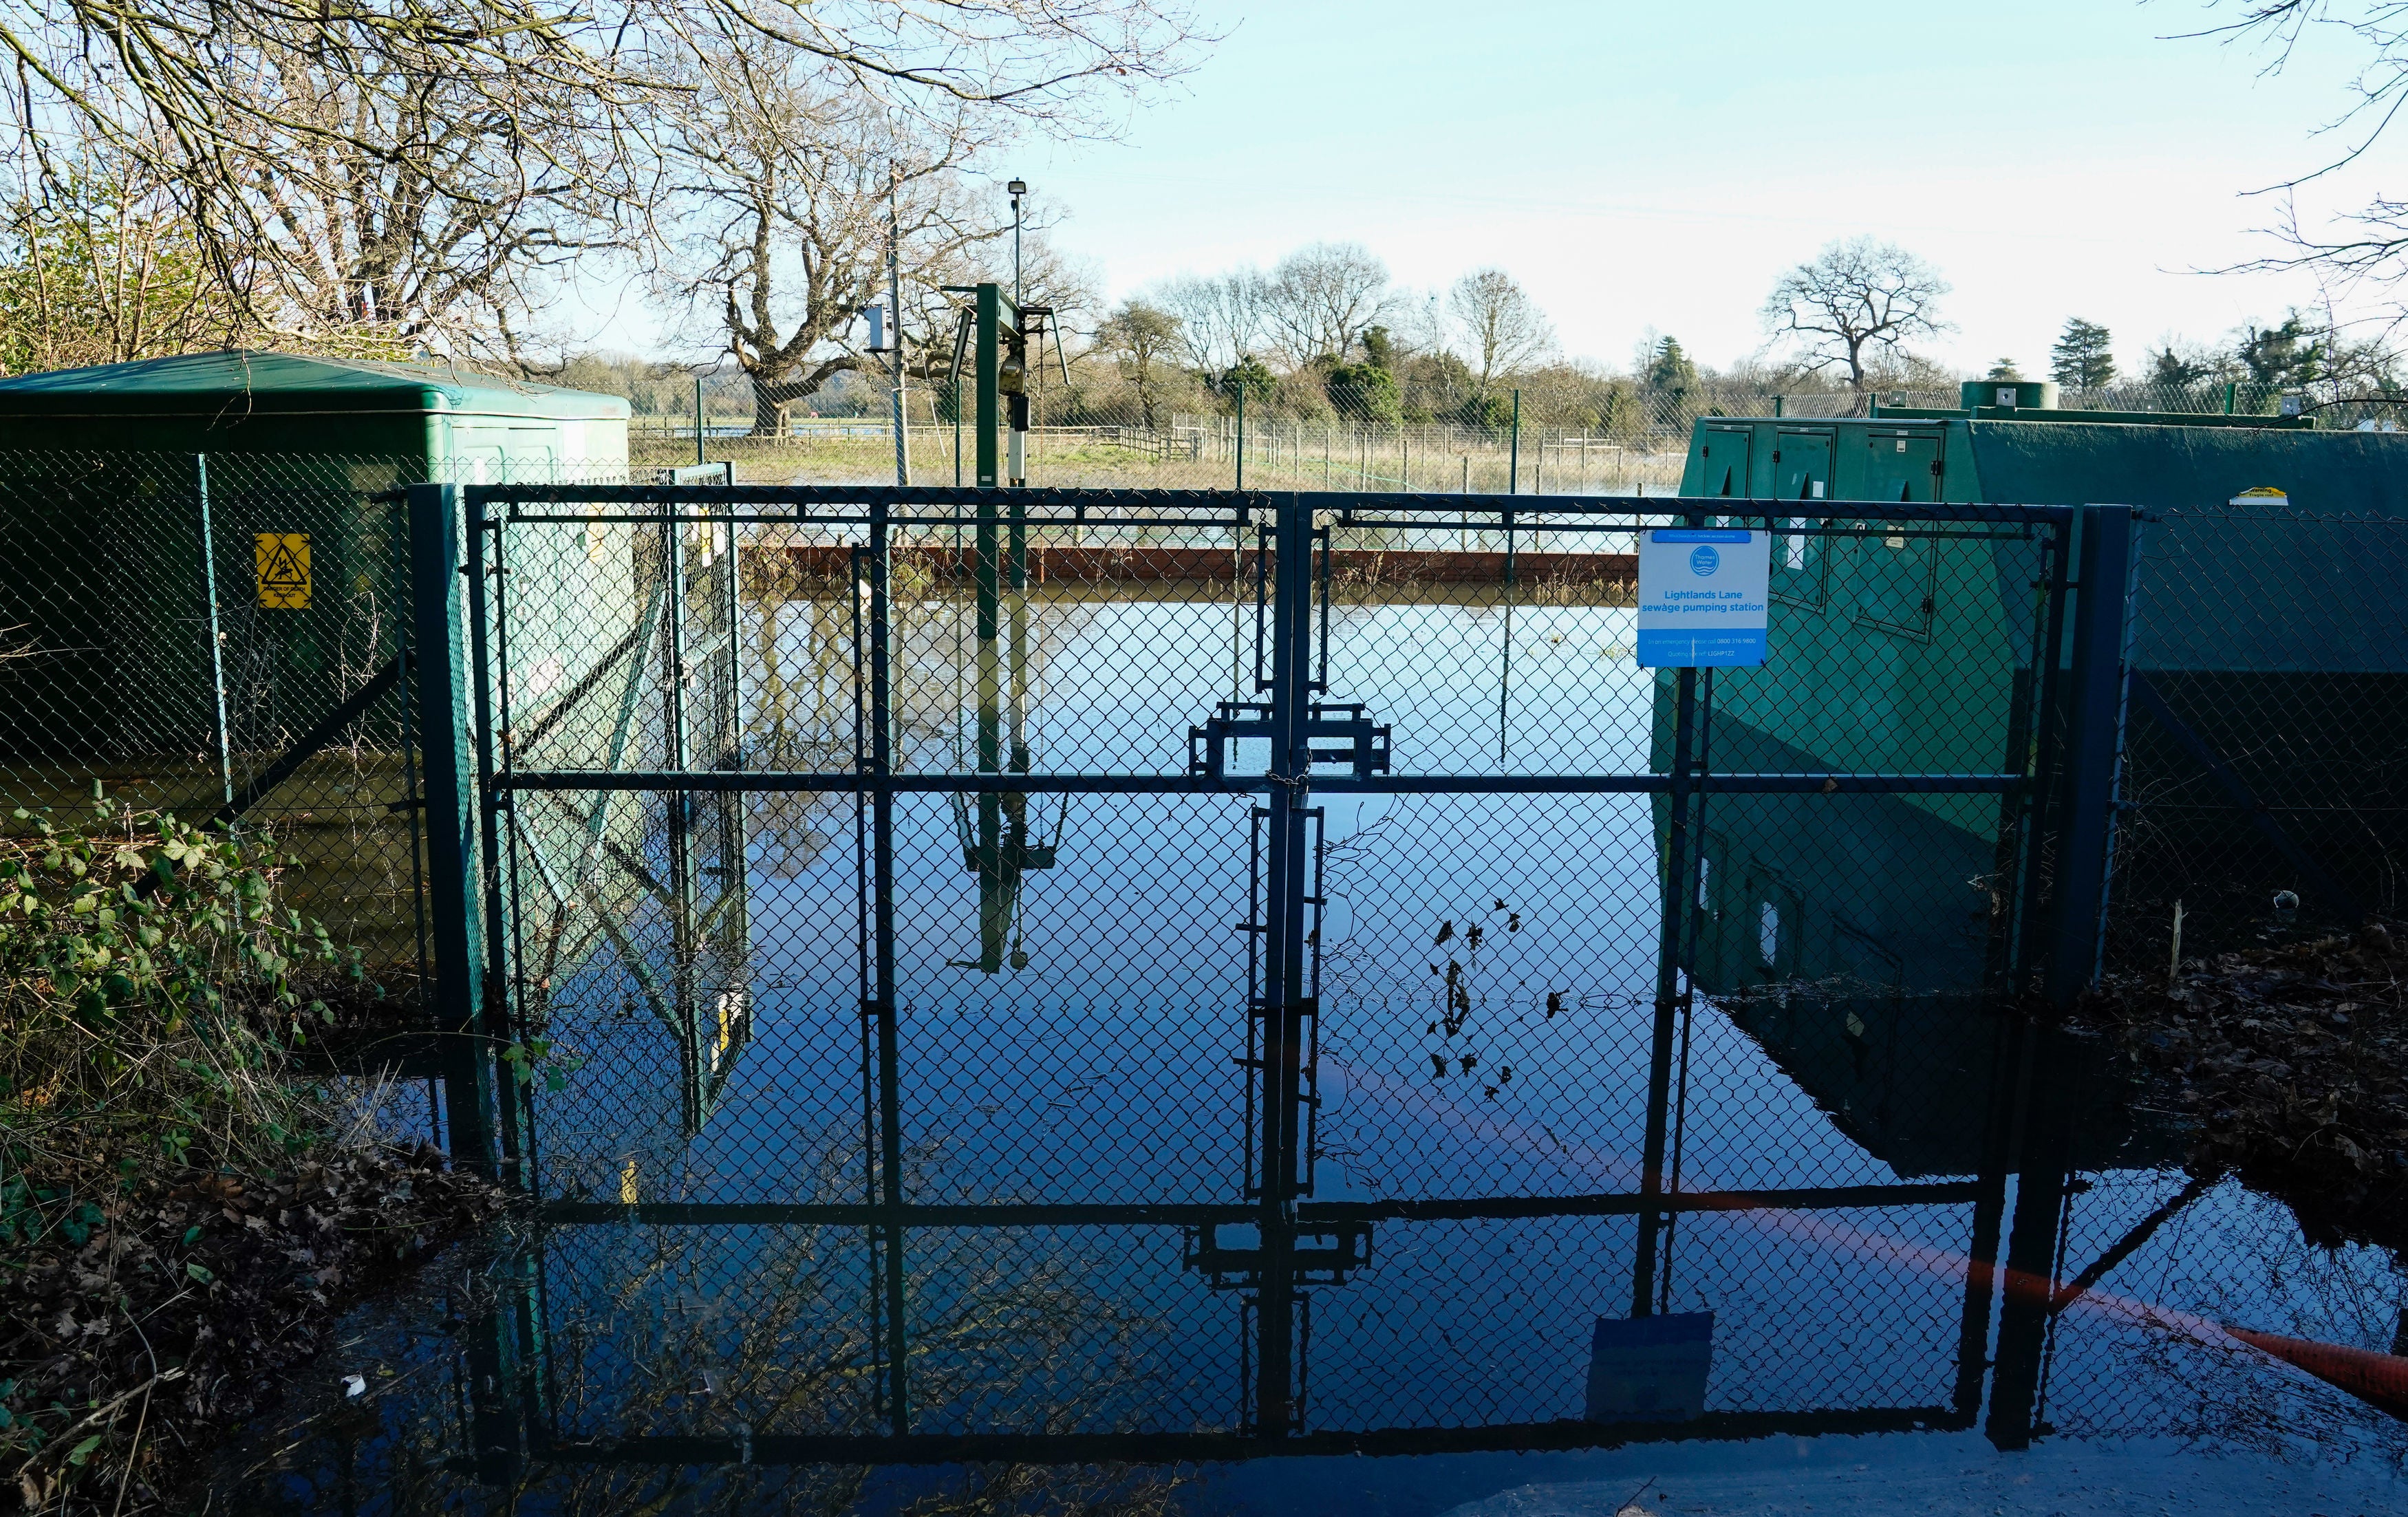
<point x="698" y="419"/>
<point x="216" y="636"/>
<point x="994" y="915"/>
<point x="1241" y="431"/>
<point x="894" y="315"/>
<point x="1019" y="291"/>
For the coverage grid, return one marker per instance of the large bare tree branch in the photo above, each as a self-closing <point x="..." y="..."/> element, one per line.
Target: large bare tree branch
<point x="416" y="172"/>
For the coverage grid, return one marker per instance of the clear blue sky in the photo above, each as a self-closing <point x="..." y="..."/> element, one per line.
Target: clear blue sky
<point x="1657" y="165"/>
<point x="1641" y="165"/>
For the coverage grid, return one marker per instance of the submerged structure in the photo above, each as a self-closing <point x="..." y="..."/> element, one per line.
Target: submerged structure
<point x="2265" y="713"/>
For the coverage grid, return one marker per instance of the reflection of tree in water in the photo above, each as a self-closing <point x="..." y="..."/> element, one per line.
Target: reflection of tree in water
<point x="710" y="1333"/>
<point x="811" y="676"/>
<point x="2141" y="1368"/>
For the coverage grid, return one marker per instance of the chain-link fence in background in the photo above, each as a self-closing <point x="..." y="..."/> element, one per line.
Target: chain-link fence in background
<point x="1100" y="431"/>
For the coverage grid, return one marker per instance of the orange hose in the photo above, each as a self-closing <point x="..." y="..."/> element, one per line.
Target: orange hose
<point x="2379" y="1378"/>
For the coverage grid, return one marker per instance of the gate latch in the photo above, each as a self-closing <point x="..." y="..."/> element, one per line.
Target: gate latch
<point x="1367" y="742"/>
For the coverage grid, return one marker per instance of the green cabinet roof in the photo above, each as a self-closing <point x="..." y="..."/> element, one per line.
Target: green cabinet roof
<point x="241" y="383"/>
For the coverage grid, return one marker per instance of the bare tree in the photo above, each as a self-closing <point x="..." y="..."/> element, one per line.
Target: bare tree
<point x="2370" y="245"/>
<point x="1857" y="294"/>
<point x="1502" y="326"/>
<point x="783" y="197"/>
<point x="1223" y="318"/>
<point x="420" y="168"/>
<point x="1320" y="298"/>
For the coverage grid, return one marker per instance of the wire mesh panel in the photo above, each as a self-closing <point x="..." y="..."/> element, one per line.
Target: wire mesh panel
<point x="2265" y="765"/>
<point x="218" y="635"/>
<point x="1209" y="919"/>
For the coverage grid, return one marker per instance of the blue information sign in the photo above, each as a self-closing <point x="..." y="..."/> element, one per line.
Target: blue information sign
<point x="1703" y="596"/>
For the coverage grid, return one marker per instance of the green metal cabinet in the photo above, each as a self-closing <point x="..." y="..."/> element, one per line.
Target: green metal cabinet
<point x="1897" y="651"/>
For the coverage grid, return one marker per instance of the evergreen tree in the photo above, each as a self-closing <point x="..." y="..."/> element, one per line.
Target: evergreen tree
<point x="1365" y="392"/>
<point x="2172" y="368"/>
<point x="1379" y="347"/>
<point x="2081" y="358"/>
<point x="1249" y="374"/>
<point x="1491" y="413"/>
<point x="1670" y="371"/>
<point x="2286" y="356"/>
<point x="2003" y="369"/>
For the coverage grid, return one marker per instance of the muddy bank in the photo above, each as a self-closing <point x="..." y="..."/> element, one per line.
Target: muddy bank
<point x="2287" y="1062"/>
<point x="133" y="1335"/>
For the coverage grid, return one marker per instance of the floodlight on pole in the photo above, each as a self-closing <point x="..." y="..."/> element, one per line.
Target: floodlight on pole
<point x="1017" y="189"/>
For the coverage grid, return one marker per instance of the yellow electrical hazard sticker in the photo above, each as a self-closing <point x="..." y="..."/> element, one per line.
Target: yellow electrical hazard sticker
<point x="284" y="570"/>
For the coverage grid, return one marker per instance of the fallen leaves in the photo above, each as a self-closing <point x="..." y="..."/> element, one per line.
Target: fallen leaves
<point x="2288" y="1060"/>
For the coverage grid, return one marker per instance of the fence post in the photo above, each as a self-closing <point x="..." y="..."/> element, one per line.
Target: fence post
<point x="1513" y="458"/>
<point x="1241" y="431"/>
<point x="439" y="662"/>
<point x="1671" y="994"/>
<point x="2094" y="747"/>
<point x="1285" y="1004"/>
<point x="211" y="630"/>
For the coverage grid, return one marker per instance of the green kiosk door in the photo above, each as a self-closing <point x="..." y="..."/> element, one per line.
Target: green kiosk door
<point x="1723" y="459"/>
<point x="1801" y="470"/>
<point x="1894" y="570"/>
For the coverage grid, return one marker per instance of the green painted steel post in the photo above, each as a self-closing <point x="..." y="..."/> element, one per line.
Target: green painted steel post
<point x="1286" y="1002"/>
<point x="2230" y="388"/>
<point x="890" y="1073"/>
<point x="439" y="661"/>
<point x="990" y="398"/>
<point x="698" y="421"/>
<point x="994" y="914"/>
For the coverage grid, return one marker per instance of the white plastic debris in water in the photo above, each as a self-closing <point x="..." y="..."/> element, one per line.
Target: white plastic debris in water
<point x="355" y="1385"/>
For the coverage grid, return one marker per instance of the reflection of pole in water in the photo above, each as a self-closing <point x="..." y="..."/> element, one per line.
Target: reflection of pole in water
<point x="1016" y="804"/>
<point x="1002" y="821"/>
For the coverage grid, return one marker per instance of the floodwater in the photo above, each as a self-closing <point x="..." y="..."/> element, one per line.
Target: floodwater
<point x="1487" y="982"/>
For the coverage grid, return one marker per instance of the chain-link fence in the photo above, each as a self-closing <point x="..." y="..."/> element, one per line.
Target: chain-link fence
<point x="190" y="634"/>
<point x="221" y="634"/>
<point x="1102" y="430"/>
<point x="2266" y="785"/>
<point x="1045" y="971"/>
<point x="918" y="895"/>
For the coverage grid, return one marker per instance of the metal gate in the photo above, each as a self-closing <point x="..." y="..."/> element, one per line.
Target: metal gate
<point x="1100" y="930"/>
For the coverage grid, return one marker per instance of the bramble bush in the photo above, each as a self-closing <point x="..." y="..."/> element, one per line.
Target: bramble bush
<point x="150" y="1001"/>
